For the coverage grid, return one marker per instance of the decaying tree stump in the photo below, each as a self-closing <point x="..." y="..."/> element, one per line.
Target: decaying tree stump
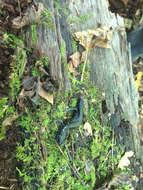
<point x="111" y="68"/>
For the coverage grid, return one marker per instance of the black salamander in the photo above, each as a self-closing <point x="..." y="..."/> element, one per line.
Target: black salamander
<point x="75" y="122"/>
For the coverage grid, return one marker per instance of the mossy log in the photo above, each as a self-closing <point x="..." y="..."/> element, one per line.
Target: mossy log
<point x="111" y="68"/>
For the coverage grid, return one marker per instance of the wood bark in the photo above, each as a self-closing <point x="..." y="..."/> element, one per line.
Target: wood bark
<point x="111" y="68"/>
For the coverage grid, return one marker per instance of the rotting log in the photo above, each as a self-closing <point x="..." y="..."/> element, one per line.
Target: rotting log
<point x="111" y="68"/>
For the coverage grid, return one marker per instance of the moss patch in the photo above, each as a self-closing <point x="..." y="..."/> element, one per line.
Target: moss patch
<point x="82" y="162"/>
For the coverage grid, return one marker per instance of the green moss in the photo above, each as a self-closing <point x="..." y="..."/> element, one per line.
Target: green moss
<point x="44" y="62"/>
<point x="51" y="168"/>
<point x="80" y="19"/>
<point x="63" y="49"/>
<point x="17" y="64"/>
<point x="3" y="106"/>
<point x="47" y="19"/>
<point x="17" y="69"/>
<point x="34" y="34"/>
<point x="35" y="71"/>
<point x="74" y="44"/>
<point x="57" y="5"/>
<point x="63" y="57"/>
<point x="1" y="11"/>
<point x="5" y="110"/>
<point x="13" y="41"/>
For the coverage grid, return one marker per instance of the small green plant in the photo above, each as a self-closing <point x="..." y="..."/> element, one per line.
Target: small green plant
<point x="63" y="49"/>
<point x="124" y="187"/>
<point x="18" y="62"/>
<point x="34" y="71"/>
<point x="13" y="41"/>
<point x="17" y="69"/>
<point x="80" y="19"/>
<point x="57" y="6"/>
<point x="63" y="56"/>
<point x="74" y="44"/>
<point x="47" y="19"/>
<point x="3" y="106"/>
<point x="34" y="34"/>
<point x="3" y="109"/>
<point x="44" y="62"/>
<point x="1" y="12"/>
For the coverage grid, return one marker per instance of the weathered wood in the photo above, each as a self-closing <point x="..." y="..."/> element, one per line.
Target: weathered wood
<point x="49" y="42"/>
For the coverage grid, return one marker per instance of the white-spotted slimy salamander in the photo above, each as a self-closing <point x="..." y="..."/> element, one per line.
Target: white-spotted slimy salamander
<point x="75" y="122"/>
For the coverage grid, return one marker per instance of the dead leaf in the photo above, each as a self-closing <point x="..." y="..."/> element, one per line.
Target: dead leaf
<point x="93" y="100"/>
<point x="75" y="58"/>
<point x="74" y="62"/>
<point x="32" y="87"/>
<point x="29" y="83"/>
<point x="72" y="68"/>
<point x="124" y="160"/>
<point x="137" y="12"/>
<point x="125" y="2"/>
<point x="141" y="175"/>
<point x="138" y="80"/>
<point x="44" y="94"/>
<point x="98" y="37"/>
<point x="43" y="70"/>
<point x="83" y="56"/>
<point x="9" y="120"/>
<point x="37" y="64"/>
<point x="87" y="168"/>
<point x="88" y="129"/>
<point x="73" y="1"/>
<point x="32" y="16"/>
<point x="108" y="4"/>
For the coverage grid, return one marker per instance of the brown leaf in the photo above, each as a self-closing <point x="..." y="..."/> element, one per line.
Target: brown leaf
<point x="125" y="2"/>
<point x="9" y="120"/>
<point x="73" y="1"/>
<point x="75" y="58"/>
<point x="32" y="16"/>
<point x="72" y="68"/>
<point x="83" y="56"/>
<point x="44" y="94"/>
<point x="22" y="95"/>
<point x="88" y="129"/>
<point x="141" y="175"/>
<point x="74" y="62"/>
<point x="98" y="37"/>
<point x="124" y="160"/>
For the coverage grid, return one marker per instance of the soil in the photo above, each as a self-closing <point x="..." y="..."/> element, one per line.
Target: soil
<point x="8" y="173"/>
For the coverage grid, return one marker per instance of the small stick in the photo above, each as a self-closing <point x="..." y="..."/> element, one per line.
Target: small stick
<point x="1" y="187"/>
<point x="70" y="166"/>
<point x="112" y="147"/>
<point x="19" y="7"/>
<point x="78" y="14"/>
<point x="83" y="70"/>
